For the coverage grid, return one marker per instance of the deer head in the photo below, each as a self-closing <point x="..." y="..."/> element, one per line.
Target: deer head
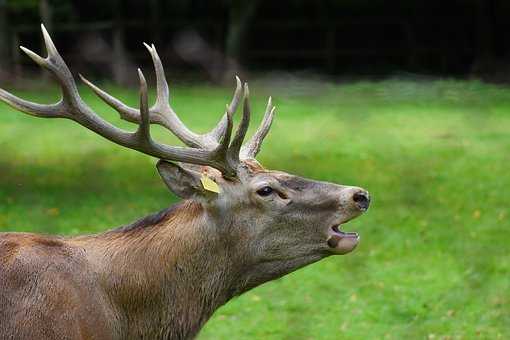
<point x="277" y="221"/>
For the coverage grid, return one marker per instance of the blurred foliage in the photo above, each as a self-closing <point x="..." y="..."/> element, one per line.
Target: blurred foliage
<point x="456" y="37"/>
<point x="22" y="4"/>
<point x="27" y="11"/>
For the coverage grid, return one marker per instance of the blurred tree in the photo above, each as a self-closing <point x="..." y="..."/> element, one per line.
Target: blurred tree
<point x="22" y="4"/>
<point x="5" y="55"/>
<point x="240" y="15"/>
<point x="484" y="36"/>
<point x="155" y="16"/>
<point x="355" y="36"/>
<point x="120" y="62"/>
<point x="46" y="14"/>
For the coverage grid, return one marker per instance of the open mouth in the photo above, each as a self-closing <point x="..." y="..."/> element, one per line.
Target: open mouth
<point x="341" y="242"/>
<point x="336" y="231"/>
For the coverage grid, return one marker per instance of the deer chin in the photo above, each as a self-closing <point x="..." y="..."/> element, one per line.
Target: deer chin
<point x="341" y="242"/>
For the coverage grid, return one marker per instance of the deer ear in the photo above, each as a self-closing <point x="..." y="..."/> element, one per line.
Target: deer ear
<point x="182" y="182"/>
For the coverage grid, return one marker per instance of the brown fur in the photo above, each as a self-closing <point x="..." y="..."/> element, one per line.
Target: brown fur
<point x="136" y="274"/>
<point x="47" y="290"/>
<point x="163" y="276"/>
<point x="8" y="250"/>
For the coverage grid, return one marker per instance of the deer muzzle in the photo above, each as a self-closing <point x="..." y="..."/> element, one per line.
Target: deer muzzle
<point x="354" y="202"/>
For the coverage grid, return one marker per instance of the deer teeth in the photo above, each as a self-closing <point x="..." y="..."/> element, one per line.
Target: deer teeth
<point x="336" y="230"/>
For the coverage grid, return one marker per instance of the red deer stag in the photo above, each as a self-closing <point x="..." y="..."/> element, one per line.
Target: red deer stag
<point x="162" y="277"/>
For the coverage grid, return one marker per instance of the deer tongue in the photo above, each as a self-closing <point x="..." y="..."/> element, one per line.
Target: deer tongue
<point x="334" y="239"/>
<point x="339" y="241"/>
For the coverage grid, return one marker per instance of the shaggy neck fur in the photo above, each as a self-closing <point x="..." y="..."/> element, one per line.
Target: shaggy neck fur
<point x="165" y="280"/>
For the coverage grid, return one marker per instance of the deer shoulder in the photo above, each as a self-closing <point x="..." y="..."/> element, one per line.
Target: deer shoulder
<point x="48" y="290"/>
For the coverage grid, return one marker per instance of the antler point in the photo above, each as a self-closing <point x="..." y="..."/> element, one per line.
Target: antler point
<point x="85" y="80"/>
<point x="246" y="90"/>
<point x="34" y="56"/>
<point x="140" y="75"/>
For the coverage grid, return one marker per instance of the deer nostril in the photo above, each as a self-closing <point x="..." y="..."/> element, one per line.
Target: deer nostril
<point x="362" y="200"/>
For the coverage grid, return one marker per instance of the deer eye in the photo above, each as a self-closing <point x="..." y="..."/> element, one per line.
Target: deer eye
<point x="265" y="191"/>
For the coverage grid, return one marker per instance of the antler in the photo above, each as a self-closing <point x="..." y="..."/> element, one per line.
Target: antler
<point x="212" y="149"/>
<point x="162" y="113"/>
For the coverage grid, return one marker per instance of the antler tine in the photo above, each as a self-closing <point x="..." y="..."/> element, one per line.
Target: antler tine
<point x="127" y="113"/>
<point x="34" y="56"/>
<point x="41" y="110"/>
<point x="162" y="113"/>
<point x="163" y="93"/>
<point x="56" y="65"/>
<point x="31" y="108"/>
<point x="50" y="46"/>
<point x="218" y="131"/>
<point x="235" y="146"/>
<point x="72" y="106"/>
<point x="252" y="148"/>
<point x="223" y="145"/>
<point x="162" y="109"/>
<point x="143" y="131"/>
<point x="215" y="158"/>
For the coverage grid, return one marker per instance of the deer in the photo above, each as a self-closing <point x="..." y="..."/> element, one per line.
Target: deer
<point x="239" y="225"/>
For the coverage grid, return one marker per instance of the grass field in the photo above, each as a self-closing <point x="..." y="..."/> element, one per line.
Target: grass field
<point x="434" y="260"/>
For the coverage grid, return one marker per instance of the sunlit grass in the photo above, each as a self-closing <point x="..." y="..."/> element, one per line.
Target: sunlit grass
<point x="434" y="261"/>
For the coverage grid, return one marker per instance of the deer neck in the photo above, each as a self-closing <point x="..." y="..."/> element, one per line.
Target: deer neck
<point x="165" y="280"/>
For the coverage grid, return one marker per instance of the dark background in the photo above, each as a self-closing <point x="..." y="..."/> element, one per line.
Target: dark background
<point x="376" y="38"/>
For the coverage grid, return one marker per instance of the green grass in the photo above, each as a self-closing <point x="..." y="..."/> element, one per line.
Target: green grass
<point x="434" y="260"/>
